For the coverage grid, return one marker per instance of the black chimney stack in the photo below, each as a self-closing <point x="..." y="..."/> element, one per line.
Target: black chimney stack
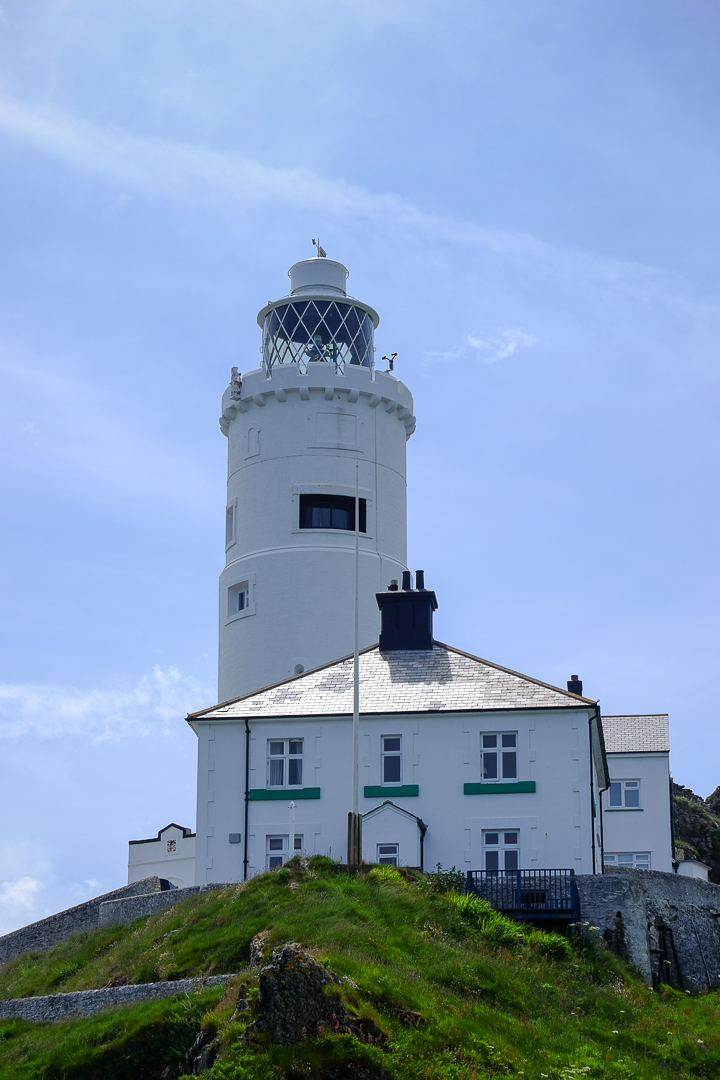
<point x="407" y="614"/>
<point x="575" y="685"/>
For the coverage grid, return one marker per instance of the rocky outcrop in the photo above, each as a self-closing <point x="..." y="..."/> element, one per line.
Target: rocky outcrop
<point x="696" y="825"/>
<point x="665" y="924"/>
<point x="299" y="999"/>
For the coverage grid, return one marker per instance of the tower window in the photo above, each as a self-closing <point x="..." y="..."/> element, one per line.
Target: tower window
<point x="331" y="512"/>
<point x="230" y="525"/>
<point x="239" y="599"/>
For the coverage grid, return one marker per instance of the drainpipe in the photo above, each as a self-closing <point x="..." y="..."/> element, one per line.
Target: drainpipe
<point x="672" y="827"/>
<point x="601" y="738"/>
<point x="423" y="830"/>
<point x="247" y="798"/>
<point x="592" y="790"/>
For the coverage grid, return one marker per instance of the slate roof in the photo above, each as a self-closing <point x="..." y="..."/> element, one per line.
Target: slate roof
<point x="636" y="734"/>
<point x="441" y="680"/>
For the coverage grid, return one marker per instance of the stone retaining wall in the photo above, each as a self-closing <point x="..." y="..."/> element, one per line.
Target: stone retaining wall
<point x="665" y="924"/>
<point x="126" y="909"/>
<point x="55" y="1007"/>
<point x="45" y="933"/>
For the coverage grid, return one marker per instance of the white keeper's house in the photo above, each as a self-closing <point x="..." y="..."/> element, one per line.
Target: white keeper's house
<point x="461" y="761"/>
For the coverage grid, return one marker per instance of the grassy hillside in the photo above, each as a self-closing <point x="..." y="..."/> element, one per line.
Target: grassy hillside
<point x="493" y="1000"/>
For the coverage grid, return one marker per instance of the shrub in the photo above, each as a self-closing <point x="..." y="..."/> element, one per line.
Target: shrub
<point x="451" y="880"/>
<point x="384" y="873"/>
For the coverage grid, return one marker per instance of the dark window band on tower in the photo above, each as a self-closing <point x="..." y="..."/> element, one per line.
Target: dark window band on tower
<point x="331" y="512"/>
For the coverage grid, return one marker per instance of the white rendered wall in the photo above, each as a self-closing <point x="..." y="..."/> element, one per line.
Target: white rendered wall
<point x="692" y="868"/>
<point x="151" y="857"/>
<point x="292" y="434"/>
<point x="440" y="754"/>
<point x="389" y="825"/>
<point x="646" y="829"/>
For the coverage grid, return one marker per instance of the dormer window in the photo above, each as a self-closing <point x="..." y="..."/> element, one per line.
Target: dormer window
<point x="331" y="512"/>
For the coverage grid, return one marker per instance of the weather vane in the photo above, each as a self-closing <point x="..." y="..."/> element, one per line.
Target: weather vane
<point x="320" y="250"/>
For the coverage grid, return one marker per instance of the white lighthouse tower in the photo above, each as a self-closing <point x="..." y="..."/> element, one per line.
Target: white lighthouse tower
<point x="296" y="428"/>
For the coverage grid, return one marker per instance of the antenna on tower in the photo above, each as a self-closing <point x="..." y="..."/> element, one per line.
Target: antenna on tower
<point x="391" y="360"/>
<point x="320" y="250"/>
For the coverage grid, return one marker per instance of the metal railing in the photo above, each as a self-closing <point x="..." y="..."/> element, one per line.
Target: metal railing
<point x="549" y="894"/>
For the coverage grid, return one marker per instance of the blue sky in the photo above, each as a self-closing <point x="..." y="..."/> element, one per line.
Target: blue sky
<point x="526" y="191"/>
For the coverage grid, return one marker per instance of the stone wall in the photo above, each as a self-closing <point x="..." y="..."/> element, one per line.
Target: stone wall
<point x="665" y="924"/>
<point x="55" y="1007"/>
<point x="125" y="909"/>
<point x="42" y="935"/>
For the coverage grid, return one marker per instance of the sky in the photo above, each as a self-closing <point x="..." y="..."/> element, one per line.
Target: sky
<point x="528" y="194"/>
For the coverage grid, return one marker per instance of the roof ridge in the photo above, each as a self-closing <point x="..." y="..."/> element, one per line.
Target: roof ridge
<point x="633" y="715"/>
<point x="517" y="674"/>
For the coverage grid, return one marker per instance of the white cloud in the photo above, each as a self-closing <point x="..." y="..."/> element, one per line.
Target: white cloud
<point x="85" y="890"/>
<point x="152" y="706"/>
<point x="488" y="348"/>
<point x="17" y="902"/>
<point x="187" y="174"/>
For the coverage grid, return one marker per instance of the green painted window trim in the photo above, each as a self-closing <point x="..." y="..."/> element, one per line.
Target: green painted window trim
<point x="404" y="791"/>
<point x="624" y="809"/>
<point x="266" y="794"/>
<point x="500" y="789"/>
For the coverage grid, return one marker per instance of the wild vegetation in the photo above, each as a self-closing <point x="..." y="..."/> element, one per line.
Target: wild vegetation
<point x="457" y="991"/>
<point x="696" y="825"/>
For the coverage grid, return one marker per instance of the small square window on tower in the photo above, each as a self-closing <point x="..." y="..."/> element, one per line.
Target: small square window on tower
<point x="240" y="599"/>
<point x="230" y="524"/>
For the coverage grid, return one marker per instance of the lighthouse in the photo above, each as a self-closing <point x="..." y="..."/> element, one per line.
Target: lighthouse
<point x="315" y="420"/>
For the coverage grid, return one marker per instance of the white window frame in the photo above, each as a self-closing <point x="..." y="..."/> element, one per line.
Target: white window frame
<point x="637" y="860"/>
<point x="631" y="786"/>
<point x="278" y="856"/>
<point x="390" y="754"/>
<point x="230" y="524"/>
<point x="386" y="857"/>
<point x="502" y="846"/>
<point x="497" y="752"/>
<point x="286" y="757"/>
<point x="243" y="585"/>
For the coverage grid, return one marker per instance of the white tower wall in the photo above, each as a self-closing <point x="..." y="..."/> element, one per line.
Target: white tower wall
<point x="298" y="429"/>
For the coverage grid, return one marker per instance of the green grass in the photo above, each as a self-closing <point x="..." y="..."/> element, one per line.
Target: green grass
<point x="499" y="999"/>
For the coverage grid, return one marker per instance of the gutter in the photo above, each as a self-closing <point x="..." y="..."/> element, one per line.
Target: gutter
<point x="601" y="739"/>
<point x="247" y="799"/>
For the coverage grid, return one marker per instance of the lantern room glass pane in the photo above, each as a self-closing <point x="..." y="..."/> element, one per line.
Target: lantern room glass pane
<point x="317" y="331"/>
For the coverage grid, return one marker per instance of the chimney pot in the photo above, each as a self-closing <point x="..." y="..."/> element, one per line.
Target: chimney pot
<point x="406" y="616"/>
<point x="392" y="587"/>
<point x="420" y="580"/>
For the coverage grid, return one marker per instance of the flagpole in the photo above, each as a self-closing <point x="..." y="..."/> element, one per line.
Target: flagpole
<point x="356" y="854"/>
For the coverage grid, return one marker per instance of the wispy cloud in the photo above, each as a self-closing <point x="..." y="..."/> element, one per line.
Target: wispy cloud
<point x="17" y="902"/>
<point x="487" y="348"/>
<point x="190" y="174"/>
<point x="154" y="705"/>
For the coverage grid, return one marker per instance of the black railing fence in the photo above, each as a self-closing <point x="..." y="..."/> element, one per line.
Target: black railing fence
<point x="540" y="894"/>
